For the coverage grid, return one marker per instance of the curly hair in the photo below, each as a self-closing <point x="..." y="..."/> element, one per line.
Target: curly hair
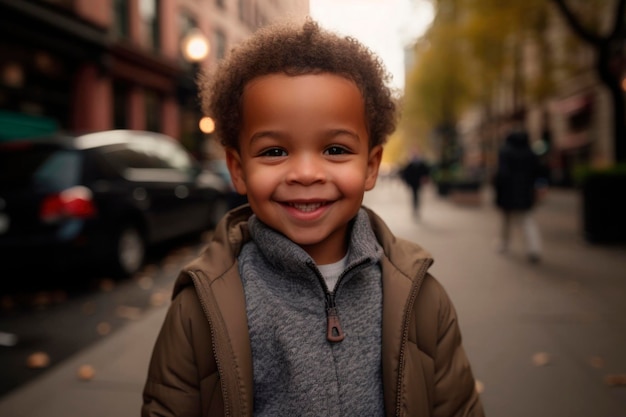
<point x="296" y="49"/>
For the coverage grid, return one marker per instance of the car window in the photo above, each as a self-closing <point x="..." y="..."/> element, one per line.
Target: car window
<point x="173" y="156"/>
<point x="149" y="153"/>
<point x="40" y="167"/>
<point x="133" y="155"/>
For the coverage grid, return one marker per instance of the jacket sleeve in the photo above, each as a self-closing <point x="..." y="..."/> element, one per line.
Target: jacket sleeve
<point x="172" y="385"/>
<point x="455" y="392"/>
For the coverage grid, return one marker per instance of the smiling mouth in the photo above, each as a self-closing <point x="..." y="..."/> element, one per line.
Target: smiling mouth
<point x="306" y="207"/>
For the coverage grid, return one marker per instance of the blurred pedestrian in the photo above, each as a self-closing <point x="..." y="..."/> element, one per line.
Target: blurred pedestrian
<point x="283" y="314"/>
<point x="516" y="183"/>
<point x="414" y="174"/>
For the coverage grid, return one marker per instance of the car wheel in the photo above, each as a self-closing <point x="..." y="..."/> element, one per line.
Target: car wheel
<point x="130" y="250"/>
<point x="219" y="208"/>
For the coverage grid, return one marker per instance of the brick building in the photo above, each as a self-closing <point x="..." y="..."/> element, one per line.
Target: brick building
<point x="83" y="65"/>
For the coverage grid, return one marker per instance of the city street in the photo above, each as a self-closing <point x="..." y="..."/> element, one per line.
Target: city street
<point x="52" y="315"/>
<point x="544" y="340"/>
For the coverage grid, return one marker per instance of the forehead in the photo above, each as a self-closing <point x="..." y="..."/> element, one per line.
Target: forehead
<point x="327" y="97"/>
<point x="313" y="79"/>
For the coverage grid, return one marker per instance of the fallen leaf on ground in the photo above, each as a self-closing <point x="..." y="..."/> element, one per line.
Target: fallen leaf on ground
<point x="618" y="380"/>
<point x="103" y="328"/>
<point x="541" y="359"/>
<point x="38" y="360"/>
<point x="86" y="372"/>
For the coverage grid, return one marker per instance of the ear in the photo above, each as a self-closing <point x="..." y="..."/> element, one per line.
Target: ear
<point x="235" y="167"/>
<point x="373" y="164"/>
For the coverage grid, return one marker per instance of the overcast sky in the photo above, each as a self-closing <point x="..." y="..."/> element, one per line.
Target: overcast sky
<point x="385" y="26"/>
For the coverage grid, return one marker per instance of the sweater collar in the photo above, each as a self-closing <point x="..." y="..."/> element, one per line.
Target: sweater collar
<point x="284" y="255"/>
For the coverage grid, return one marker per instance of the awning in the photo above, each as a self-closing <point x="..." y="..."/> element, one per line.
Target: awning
<point x="20" y="125"/>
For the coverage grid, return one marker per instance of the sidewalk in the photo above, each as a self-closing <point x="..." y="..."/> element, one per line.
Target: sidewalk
<point x="545" y="340"/>
<point x="542" y="339"/>
<point x="120" y="362"/>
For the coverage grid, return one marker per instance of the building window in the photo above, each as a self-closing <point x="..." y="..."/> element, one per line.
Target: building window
<point x="186" y="23"/>
<point x="120" y="19"/>
<point x="150" y="17"/>
<point x="220" y="44"/>
<point x="153" y="111"/>
<point x="120" y="106"/>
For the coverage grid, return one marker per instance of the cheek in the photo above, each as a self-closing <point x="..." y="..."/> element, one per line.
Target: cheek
<point x="261" y="183"/>
<point x="351" y="180"/>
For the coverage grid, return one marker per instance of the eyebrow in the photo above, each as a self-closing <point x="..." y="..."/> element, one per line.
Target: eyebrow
<point x="279" y="135"/>
<point x="337" y="132"/>
<point x="266" y="133"/>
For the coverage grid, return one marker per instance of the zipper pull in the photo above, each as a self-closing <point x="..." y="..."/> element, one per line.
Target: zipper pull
<point x="334" y="333"/>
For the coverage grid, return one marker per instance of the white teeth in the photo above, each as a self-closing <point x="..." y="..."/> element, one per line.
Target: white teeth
<point x="306" y="207"/>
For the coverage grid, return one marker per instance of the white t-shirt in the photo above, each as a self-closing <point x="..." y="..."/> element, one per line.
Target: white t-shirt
<point x="331" y="272"/>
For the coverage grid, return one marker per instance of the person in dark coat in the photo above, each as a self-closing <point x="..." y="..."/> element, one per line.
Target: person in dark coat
<point x="516" y="179"/>
<point x="414" y="174"/>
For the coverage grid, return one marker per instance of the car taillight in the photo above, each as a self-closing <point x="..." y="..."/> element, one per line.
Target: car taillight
<point x="75" y="202"/>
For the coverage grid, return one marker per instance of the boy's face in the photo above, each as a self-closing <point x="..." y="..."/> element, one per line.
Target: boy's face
<point x="304" y="159"/>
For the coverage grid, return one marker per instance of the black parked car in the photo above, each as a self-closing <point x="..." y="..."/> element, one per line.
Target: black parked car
<point x="101" y="199"/>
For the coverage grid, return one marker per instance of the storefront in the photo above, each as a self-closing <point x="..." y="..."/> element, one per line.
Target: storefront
<point x="42" y="48"/>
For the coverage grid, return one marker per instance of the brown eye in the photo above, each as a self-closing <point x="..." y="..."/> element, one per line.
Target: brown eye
<point x="336" y="150"/>
<point x="274" y="152"/>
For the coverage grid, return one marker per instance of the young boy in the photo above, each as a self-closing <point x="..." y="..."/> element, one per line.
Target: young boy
<point x="304" y="303"/>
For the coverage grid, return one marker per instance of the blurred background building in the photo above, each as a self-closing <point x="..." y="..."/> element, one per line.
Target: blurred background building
<point x="481" y="62"/>
<point x="83" y="65"/>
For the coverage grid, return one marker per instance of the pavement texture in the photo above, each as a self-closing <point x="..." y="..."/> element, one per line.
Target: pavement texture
<point x="544" y="340"/>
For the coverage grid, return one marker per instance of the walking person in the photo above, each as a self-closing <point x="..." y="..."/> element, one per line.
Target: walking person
<point x="516" y="180"/>
<point x="304" y="303"/>
<point x="415" y="174"/>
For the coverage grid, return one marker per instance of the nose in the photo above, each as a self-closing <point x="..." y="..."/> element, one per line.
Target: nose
<point x="306" y="169"/>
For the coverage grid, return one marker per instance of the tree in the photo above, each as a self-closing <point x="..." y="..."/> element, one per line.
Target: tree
<point x="437" y="89"/>
<point x="470" y="55"/>
<point x="610" y="60"/>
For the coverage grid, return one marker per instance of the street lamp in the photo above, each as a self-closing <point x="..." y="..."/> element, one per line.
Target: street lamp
<point x="194" y="48"/>
<point x="207" y="125"/>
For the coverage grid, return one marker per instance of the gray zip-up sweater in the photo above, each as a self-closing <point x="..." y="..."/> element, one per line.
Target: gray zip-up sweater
<point x="297" y="370"/>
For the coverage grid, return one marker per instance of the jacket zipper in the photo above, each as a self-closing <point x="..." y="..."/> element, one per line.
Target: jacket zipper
<point x="220" y="369"/>
<point x="334" y="332"/>
<point x="405" y="332"/>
